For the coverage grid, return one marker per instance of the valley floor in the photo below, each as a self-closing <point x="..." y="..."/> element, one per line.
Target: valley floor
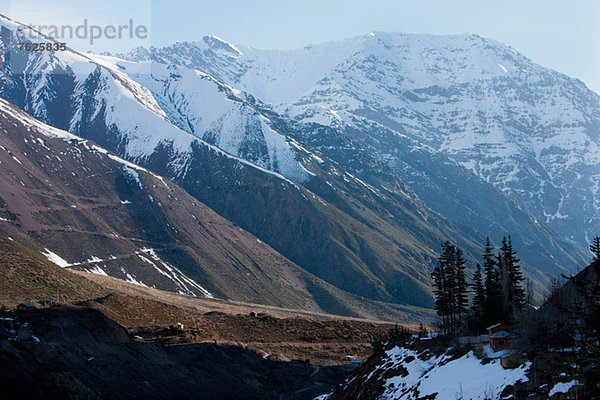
<point x="274" y="333"/>
<point x="76" y="352"/>
<point x="90" y="336"/>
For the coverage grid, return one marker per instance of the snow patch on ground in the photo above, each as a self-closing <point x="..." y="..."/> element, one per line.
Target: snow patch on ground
<point x="97" y="270"/>
<point x="131" y="279"/>
<point x="55" y="258"/>
<point x="173" y="273"/>
<point x="562" y="387"/>
<point x="465" y="377"/>
<point x="133" y="175"/>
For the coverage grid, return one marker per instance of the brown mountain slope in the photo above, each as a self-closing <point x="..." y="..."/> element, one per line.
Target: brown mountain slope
<point x="26" y="276"/>
<point x="372" y="311"/>
<point x="283" y="333"/>
<point x="90" y="210"/>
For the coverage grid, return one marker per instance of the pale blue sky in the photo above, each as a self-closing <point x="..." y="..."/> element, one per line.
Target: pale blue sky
<point x="563" y="35"/>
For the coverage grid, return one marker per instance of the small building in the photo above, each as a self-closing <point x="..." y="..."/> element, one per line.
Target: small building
<point x="26" y="307"/>
<point x="513" y="360"/>
<point x="354" y="360"/>
<point x="501" y="337"/>
<point x="497" y="328"/>
<point x="479" y="340"/>
<point x="502" y="340"/>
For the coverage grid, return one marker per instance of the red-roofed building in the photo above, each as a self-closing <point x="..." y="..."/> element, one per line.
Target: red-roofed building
<point x="501" y="337"/>
<point x="497" y="328"/>
<point x="26" y="307"/>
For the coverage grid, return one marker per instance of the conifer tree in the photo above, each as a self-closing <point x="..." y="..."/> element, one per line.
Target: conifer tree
<point x="517" y="277"/>
<point x="443" y="276"/>
<point x="504" y="280"/>
<point x="492" y="306"/>
<point x="479" y="292"/>
<point x="450" y="259"/>
<point x="450" y="286"/>
<point x="439" y="290"/>
<point x="422" y="330"/>
<point x="511" y="277"/>
<point x="583" y="311"/>
<point x="595" y="248"/>
<point x="461" y="286"/>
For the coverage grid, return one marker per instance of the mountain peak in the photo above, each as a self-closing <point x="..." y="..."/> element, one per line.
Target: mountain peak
<point x="217" y="43"/>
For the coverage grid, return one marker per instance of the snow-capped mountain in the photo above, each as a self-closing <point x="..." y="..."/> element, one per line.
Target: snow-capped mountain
<point x="72" y="91"/>
<point x="321" y="194"/>
<point x="531" y="132"/>
<point x="79" y="198"/>
<point x="84" y="95"/>
<point x="84" y="208"/>
<point x="199" y="104"/>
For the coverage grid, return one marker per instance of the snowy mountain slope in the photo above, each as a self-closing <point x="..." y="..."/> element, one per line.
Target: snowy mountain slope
<point x="71" y="91"/>
<point x="343" y="146"/>
<point x="85" y="208"/>
<point x="527" y="130"/>
<point x="49" y="180"/>
<point x="403" y="374"/>
<point x="385" y="264"/>
<point x="198" y="104"/>
<point x="351" y="220"/>
<point x="432" y="180"/>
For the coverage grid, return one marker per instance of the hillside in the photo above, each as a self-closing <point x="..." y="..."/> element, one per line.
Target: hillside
<point x="79" y="353"/>
<point x="278" y="333"/>
<point x="407" y="373"/>
<point x="28" y="276"/>
<point x="318" y="194"/>
<point x="558" y="344"/>
<point x="86" y="350"/>
<point x="87" y="209"/>
<point x="355" y="252"/>
<point x="529" y="131"/>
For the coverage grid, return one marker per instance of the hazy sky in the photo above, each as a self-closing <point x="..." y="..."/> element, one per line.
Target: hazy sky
<point x="563" y="35"/>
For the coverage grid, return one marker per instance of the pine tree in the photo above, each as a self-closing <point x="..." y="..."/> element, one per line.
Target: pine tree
<point x="451" y="284"/>
<point x="398" y="335"/>
<point x="440" y="279"/>
<point x="583" y="311"/>
<point x="450" y="287"/>
<point x="492" y="306"/>
<point x="422" y="331"/>
<point x="511" y="277"/>
<point x="504" y="280"/>
<point x="444" y="278"/>
<point x="529" y="300"/>
<point x="461" y="286"/>
<point x="479" y="291"/>
<point x="595" y="248"/>
<point x="517" y="278"/>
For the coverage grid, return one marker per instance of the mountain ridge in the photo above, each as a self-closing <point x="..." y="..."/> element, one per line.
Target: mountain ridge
<point x="84" y="208"/>
<point x="404" y="74"/>
<point x="351" y="213"/>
